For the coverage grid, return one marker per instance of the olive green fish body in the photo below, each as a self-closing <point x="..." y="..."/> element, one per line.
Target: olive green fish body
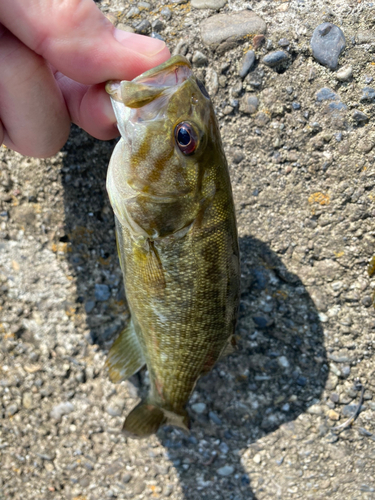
<point x="177" y="240"/>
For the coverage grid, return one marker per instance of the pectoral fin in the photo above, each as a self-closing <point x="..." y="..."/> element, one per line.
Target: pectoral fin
<point x="125" y="356"/>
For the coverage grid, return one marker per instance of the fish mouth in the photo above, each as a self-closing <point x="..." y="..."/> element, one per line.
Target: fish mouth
<point x="152" y="84"/>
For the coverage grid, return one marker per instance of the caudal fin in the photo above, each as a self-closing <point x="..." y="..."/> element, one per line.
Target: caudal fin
<point x="145" y="419"/>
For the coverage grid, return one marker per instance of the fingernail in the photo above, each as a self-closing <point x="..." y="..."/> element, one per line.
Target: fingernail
<point x="142" y="44"/>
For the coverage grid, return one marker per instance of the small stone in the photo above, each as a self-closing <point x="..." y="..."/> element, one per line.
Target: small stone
<point x="345" y="371"/>
<point x="166" y="13"/>
<point x="61" y="409"/>
<point x="275" y="58"/>
<point x="344" y="74"/>
<point x="199" y="59"/>
<point x="126" y="478"/>
<point x="237" y="156"/>
<point x="249" y="104"/>
<point x="283" y="361"/>
<point x="143" y="27"/>
<point x="327" y="43"/>
<point x="334" y="397"/>
<point x="226" y="31"/>
<point x="12" y="409"/>
<point x="236" y="90"/>
<point x="360" y="117"/>
<point x="258" y="40"/>
<point x="181" y="48"/>
<point x="157" y="35"/>
<point x="143" y="6"/>
<point x="199" y="407"/>
<point x="296" y="106"/>
<point x="349" y="410"/>
<point x="247" y="63"/>
<point x="157" y="25"/>
<point x="102" y="292"/>
<point x="212" y="82"/>
<point x="89" y="306"/>
<point x="208" y="4"/>
<point x="134" y="11"/>
<point x="214" y="417"/>
<point x="222" y="81"/>
<point x="224" y="448"/>
<point x="168" y="490"/>
<point x="365" y="37"/>
<point x="326" y="94"/>
<point x="125" y="27"/>
<point x="113" y="410"/>
<point x="367" y="301"/>
<point x="368" y="79"/>
<point x="227" y="470"/>
<point x="257" y="458"/>
<point x="227" y="110"/>
<point x="333" y="415"/>
<point x="368" y="95"/>
<point x="27" y="400"/>
<point x="283" y="42"/>
<point x="260" y="321"/>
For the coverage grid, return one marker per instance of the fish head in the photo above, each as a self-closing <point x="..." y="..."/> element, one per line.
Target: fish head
<point x="159" y="175"/>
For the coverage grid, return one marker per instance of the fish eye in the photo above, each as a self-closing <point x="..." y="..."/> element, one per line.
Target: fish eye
<point x="186" y="138"/>
<point x="202" y="88"/>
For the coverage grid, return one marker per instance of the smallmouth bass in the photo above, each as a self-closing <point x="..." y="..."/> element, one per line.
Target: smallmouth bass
<point x="169" y="187"/>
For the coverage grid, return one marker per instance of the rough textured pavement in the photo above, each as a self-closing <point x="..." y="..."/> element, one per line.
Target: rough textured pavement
<point x="299" y="139"/>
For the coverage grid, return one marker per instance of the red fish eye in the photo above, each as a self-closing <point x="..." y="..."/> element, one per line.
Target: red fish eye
<point x="186" y="138"/>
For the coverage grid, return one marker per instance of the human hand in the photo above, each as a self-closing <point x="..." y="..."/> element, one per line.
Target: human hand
<point x="55" y="58"/>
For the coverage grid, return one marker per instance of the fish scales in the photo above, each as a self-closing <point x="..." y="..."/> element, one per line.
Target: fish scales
<point x="176" y="237"/>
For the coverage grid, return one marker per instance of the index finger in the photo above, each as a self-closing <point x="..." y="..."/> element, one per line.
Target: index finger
<point x="79" y="40"/>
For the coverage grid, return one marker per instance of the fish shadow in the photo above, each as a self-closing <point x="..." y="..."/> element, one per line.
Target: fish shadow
<point x="278" y="370"/>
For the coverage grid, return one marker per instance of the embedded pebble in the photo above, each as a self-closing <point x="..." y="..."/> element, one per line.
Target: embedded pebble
<point x="283" y="42"/>
<point x="325" y="94"/>
<point x="368" y="95"/>
<point x="333" y="415"/>
<point x="199" y="59"/>
<point x="12" y="409"/>
<point x="249" y="104"/>
<point x="208" y="4"/>
<point x="166" y="13"/>
<point x="225" y="31"/>
<point x="61" y="409"/>
<point x="215" y="418"/>
<point x="27" y="400"/>
<point x="224" y="448"/>
<point x="275" y="58"/>
<point x="157" y="25"/>
<point x="212" y="82"/>
<point x="247" y="63"/>
<point x="227" y="470"/>
<point x="199" y="407"/>
<point x="143" y="27"/>
<point x="258" y="40"/>
<point x="157" y="35"/>
<point x="360" y="117"/>
<point x="89" y="306"/>
<point x="102" y="292"/>
<point x="125" y="27"/>
<point x="327" y="43"/>
<point x="349" y="410"/>
<point x="134" y="11"/>
<point x="345" y="73"/>
<point x="181" y="48"/>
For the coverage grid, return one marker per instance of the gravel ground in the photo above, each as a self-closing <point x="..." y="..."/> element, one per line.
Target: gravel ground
<point x="299" y="139"/>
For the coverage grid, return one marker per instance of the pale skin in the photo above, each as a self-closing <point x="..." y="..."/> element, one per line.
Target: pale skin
<point x="55" y="57"/>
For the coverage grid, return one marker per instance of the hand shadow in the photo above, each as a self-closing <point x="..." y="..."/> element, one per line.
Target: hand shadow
<point x="278" y="371"/>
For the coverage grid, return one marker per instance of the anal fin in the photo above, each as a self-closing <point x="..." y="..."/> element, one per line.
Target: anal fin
<point x="125" y="356"/>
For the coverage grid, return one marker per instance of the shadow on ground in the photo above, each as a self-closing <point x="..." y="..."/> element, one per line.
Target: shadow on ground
<point x="276" y="374"/>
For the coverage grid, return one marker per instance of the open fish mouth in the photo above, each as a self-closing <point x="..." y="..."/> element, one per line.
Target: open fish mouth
<point x="151" y="84"/>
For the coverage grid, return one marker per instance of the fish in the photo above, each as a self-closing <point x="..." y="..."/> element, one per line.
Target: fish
<point x="169" y="187"/>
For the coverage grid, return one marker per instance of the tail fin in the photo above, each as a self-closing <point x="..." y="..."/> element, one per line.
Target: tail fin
<point x="145" y="419"/>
